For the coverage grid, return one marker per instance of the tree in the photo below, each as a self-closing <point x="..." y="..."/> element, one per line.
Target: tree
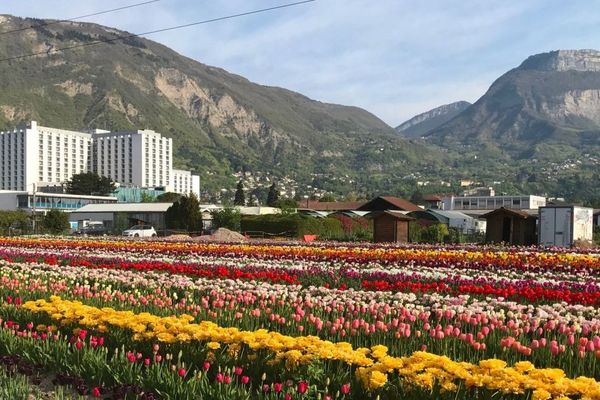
<point x="252" y="201"/>
<point x="228" y="218"/>
<point x="168" y="197"/>
<point x="287" y="206"/>
<point x="56" y="222"/>
<point x="89" y="183"/>
<point x="10" y="220"/>
<point x="273" y="196"/>
<point x="417" y="197"/>
<point x="146" y="197"/>
<point x="185" y="214"/>
<point x="328" y="197"/>
<point x="240" y="198"/>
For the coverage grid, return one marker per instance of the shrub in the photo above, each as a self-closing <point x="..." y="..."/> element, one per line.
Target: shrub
<point x="11" y="220"/>
<point x="56" y="222"/>
<point x="274" y="224"/>
<point x="294" y="225"/>
<point x="228" y="218"/>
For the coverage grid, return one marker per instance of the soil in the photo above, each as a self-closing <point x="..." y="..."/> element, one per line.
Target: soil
<point x="222" y="235"/>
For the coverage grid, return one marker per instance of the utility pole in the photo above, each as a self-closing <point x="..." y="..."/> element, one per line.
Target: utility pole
<point x="33" y="209"/>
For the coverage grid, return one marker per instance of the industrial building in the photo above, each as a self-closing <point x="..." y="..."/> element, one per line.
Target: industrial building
<point x="50" y="157"/>
<point x="118" y="217"/>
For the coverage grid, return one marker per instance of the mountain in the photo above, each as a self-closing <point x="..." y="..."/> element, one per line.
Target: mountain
<point x="220" y="122"/>
<point x="419" y="125"/>
<point x="546" y="108"/>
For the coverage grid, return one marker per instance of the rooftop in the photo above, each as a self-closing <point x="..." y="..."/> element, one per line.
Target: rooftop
<point x="61" y="195"/>
<point x="331" y="205"/>
<point x="125" y="207"/>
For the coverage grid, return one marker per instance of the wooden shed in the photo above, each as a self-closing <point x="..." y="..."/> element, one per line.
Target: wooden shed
<point x="391" y="226"/>
<point x="510" y="226"/>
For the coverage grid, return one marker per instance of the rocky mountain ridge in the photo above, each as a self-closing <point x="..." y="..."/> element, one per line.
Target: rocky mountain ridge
<point x="550" y="100"/>
<point x="421" y="124"/>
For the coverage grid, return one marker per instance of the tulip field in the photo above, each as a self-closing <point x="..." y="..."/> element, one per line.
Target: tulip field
<point x="119" y="319"/>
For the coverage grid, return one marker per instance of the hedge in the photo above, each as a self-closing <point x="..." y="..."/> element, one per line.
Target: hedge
<point x="293" y="225"/>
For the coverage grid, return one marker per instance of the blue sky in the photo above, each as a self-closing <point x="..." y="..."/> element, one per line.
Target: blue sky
<point x="395" y="58"/>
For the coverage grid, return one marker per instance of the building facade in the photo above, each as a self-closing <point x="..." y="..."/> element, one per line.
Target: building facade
<point x="49" y="156"/>
<point x="493" y="202"/>
<point x="42" y="202"/>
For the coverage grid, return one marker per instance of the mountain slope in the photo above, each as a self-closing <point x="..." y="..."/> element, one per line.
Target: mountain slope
<point x="547" y="105"/>
<point x="221" y="122"/>
<point x="421" y="124"/>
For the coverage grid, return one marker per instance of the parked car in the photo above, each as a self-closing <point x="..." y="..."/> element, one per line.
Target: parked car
<point x="140" y="231"/>
<point x="91" y="230"/>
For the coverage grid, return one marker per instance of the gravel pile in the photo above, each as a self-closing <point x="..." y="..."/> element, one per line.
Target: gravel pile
<point x="222" y="235"/>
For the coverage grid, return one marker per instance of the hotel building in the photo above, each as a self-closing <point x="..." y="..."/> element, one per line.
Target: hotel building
<point x="48" y="156"/>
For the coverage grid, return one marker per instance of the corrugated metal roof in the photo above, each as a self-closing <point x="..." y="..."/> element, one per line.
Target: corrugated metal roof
<point x="451" y="214"/>
<point x="125" y="207"/>
<point x="331" y="205"/>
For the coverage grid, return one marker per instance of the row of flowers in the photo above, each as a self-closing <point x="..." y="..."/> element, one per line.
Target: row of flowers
<point x="458" y="326"/>
<point x="398" y="256"/>
<point x="372" y="366"/>
<point x="413" y="279"/>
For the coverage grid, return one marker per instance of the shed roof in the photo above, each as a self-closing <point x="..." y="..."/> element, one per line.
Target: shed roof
<point x="399" y="215"/>
<point x="125" y="207"/>
<point x="432" y="197"/>
<point x="393" y="203"/>
<point x="510" y="211"/>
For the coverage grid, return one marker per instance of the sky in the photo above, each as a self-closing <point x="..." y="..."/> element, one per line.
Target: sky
<point x="394" y="58"/>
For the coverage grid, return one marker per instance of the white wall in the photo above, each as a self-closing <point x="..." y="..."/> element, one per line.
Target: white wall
<point x="8" y="201"/>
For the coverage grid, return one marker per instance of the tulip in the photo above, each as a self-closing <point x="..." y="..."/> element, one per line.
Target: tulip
<point x="302" y="387"/>
<point x="345" y="389"/>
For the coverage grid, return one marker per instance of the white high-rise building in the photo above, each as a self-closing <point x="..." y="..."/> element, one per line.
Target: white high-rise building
<point x="139" y="158"/>
<point x="49" y="156"/>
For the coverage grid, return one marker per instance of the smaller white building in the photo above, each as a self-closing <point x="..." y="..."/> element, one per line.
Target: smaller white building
<point x="462" y="222"/>
<point x="528" y="202"/>
<point x="185" y="182"/>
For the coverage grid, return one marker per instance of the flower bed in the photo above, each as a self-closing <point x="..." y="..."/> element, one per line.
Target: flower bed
<point x="353" y="322"/>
